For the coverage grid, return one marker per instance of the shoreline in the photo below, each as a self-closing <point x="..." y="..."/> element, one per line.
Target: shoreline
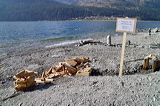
<point x="43" y="43"/>
<point x="81" y="20"/>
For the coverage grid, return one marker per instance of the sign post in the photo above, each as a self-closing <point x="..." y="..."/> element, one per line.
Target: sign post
<point x="125" y="25"/>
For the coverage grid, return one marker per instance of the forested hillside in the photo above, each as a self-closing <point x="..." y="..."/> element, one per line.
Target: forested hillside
<point x="104" y="3"/>
<point x="35" y="10"/>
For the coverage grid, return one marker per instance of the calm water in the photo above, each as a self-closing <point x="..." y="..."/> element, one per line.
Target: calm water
<point x="26" y="35"/>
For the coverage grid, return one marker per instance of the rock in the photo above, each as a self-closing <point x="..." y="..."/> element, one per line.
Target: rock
<point x="55" y="56"/>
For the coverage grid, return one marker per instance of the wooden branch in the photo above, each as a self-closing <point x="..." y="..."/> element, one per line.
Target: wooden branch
<point x="135" y="60"/>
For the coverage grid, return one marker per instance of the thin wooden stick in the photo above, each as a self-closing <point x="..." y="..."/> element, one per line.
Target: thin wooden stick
<point x="135" y="60"/>
<point x="122" y="53"/>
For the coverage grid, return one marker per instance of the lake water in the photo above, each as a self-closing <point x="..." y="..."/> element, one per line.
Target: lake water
<point x="31" y="34"/>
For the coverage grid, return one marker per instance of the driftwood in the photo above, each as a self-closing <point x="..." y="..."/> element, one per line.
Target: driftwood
<point x="88" y="42"/>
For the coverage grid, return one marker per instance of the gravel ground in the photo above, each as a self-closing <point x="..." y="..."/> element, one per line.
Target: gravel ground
<point x="135" y="87"/>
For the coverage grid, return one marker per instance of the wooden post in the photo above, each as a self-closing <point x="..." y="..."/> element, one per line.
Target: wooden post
<point x="125" y="25"/>
<point x="146" y="64"/>
<point x="155" y="65"/>
<point x="122" y="53"/>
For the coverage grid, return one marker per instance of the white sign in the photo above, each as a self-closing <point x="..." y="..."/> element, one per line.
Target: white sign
<point x="126" y="25"/>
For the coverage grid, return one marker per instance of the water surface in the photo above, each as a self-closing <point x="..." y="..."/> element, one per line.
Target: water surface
<point x="30" y="34"/>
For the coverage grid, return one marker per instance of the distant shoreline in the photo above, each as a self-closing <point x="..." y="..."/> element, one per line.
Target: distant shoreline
<point x="77" y="20"/>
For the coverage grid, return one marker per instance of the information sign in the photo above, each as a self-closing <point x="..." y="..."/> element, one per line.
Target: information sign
<point x="126" y="25"/>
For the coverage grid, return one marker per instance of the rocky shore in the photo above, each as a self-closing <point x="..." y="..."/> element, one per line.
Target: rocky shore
<point x="104" y="87"/>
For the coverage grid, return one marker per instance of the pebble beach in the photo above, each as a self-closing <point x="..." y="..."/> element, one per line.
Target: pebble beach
<point x="103" y="88"/>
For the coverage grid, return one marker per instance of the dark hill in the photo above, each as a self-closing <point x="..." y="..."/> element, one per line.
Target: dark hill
<point x="35" y="10"/>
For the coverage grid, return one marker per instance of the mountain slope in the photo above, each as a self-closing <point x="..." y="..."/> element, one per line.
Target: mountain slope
<point x="35" y="10"/>
<point x="38" y="10"/>
<point x="142" y="9"/>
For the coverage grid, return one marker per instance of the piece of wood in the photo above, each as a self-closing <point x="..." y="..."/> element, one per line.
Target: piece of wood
<point x="39" y="81"/>
<point x="60" y="68"/>
<point x="53" y="70"/>
<point x="45" y="81"/>
<point x="150" y="56"/>
<point x="122" y="53"/>
<point x="135" y="60"/>
<point x="71" y="69"/>
<point x="43" y="75"/>
<point x="88" y="69"/>
<point x="61" y="73"/>
<point x="27" y="71"/>
<point x="89" y="42"/>
<point x="42" y="79"/>
<point x="20" y="73"/>
<point x="23" y="79"/>
<point x="53" y="75"/>
<point x="67" y="73"/>
<point x="86" y="64"/>
<point x="146" y="64"/>
<point x="81" y="60"/>
<point x="25" y="74"/>
<point x="155" y="65"/>
<point x="15" y="77"/>
<point x="82" y="73"/>
<point x="19" y="82"/>
<point x="30" y="79"/>
<point x="33" y="84"/>
<point x="71" y="62"/>
<point x="49" y="71"/>
<point x="78" y="60"/>
<point x="18" y="88"/>
<point x="30" y="84"/>
<point x="85" y="59"/>
<point x="51" y="80"/>
<point x="23" y="85"/>
<point x="80" y="65"/>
